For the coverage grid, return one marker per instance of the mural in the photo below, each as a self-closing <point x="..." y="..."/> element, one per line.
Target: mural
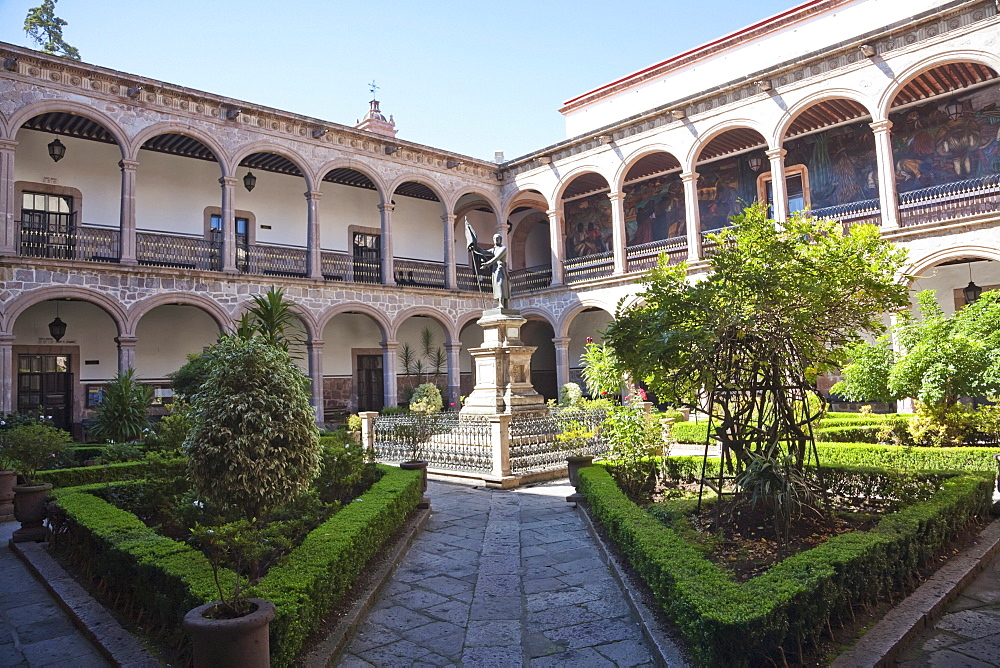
<point x="947" y="140"/>
<point x="840" y="164"/>
<point x="726" y="187"/>
<point x="654" y="209"/>
<point x="588" y="225"/>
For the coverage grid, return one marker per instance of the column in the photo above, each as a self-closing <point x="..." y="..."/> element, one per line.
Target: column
<point x="454" y="372"/>
<point x="228" y="184"/>
<point x="389" y="372"/>
<point x="692" y="215"/>
<point x="450" y="277"/>
<point x="618" y="230"/>
<point x="557" y="247"/>
<point x="127" y="241"/>
<point x="126" y="352"/>
<point x="388" y="276"/>
<point x="886" y="167"/>
<point x="904" y="405"/>
<point x="314" y="349"/>
<point x="562" y="360"/>
<point x="779" y="189"/>
<point x="8" y="375"/>
<point x="500" y="444"/>
<point x="8" y="207"/>
<point x="314" y="253"/>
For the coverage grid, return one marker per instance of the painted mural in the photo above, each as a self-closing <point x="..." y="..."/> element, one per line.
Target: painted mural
<point x="726" y="187"/>
<point x="654" y="209"/>
<point x="840" y="164"/>
<point x="950" y="139"/>
<point x="588" y="225"/>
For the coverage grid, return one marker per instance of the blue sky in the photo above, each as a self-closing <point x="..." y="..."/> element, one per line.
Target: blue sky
<point x="470" y="77"/>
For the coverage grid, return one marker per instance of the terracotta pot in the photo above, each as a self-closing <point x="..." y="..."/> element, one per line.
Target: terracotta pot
<point x="7" y="481"/>
<point x="30" y="511"/>
<point x="416" y="465"/>
<point x="576" y="462"/>
<point x="231" y="643"/>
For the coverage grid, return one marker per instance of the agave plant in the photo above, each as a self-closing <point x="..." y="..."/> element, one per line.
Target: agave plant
<point x="122" y="415"/>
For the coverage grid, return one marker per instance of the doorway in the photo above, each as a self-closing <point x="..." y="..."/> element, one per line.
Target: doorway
<point x="45" y="382"/>
<point x="370" y="383"/>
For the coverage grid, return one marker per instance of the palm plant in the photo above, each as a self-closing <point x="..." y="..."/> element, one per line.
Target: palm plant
<point x="122" y="415"/>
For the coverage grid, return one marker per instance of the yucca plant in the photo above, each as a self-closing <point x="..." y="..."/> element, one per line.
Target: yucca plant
<point x="123" y="412"/>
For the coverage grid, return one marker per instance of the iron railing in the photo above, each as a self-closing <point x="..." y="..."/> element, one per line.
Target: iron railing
<point x="597" y="265"/>
<point x="419" y="273"/>
<point x="531" y="278"/>
<point x="853" y="213"/>
<point x="48" y="239"/>
<point x="155" y="249"/>
<point x="533" y="443"/>
<point x="470" y="281"/>
<point x="336" y="266"/>
<point x="445" y="440"/>
<point x="271" y="260"/>
<point x="643" y="257"/>
<point x="950" y="200"/>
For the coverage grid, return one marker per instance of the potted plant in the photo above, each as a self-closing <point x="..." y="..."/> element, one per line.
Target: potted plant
<point x="29" y="447"/>
<point x="8" y="478"/>
<point x="574" y="440"/>
<point x="425" y="404"/>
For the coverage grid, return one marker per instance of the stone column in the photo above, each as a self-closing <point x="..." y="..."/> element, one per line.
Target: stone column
<point x="126" y="352"/>
<point x="8" y="206"/>
<point x="562" y="361"/>
<point x="389" y="373"/>
<point x="618" y="230"/>
<point x="314" y="349"/>
<point x="450" y="276"/>
<point x="388" y="275"/>
<point x="228" y="184"/>
<point x="500" y="444"/>
<point x="368" y="429"/>
<point x="886" y="167"/>
<point x="904" y="405"/>
<point x="692" y="215"/>
<point x="127" y="241"/>
<point x="314" y="253"/>
<point x="454" y="372"/>
<point x="558" y="249"/>
<point x="779" y="189"/>
<point x="8" y="375"/>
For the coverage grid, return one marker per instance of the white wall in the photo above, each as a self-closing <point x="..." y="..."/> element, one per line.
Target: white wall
<point x="588" y="323"/>
<point x="172" y="193"/>
<point x="342" y="206"/>
<point x="417" y="229"/>
<point x="945" y="280"/>
<point x="537" y="249"/>
<point x="342" y="333"/>
<point x="278" y="201"/>
<point x="89" y="166"/>
<point x="471" y="337"/>
<point x="87" y="326"/>
<point x="167" y="335"/>
<point x="485" y="226"/>
<point x="409" y="333"/>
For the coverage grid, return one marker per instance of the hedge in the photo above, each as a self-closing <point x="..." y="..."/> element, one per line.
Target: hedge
<point x="86" y="475"/>
<point x="742" y="624"/>
<point x="905" y="458"/>
<point x="167" y="578"/>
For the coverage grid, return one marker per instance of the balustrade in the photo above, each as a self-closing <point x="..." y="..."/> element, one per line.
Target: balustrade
<point x="470" y="281"/>
<point x="853" y="213"/>
<point x="950" y="200"/>
<point x="420" y="273"/>
<point x="155" y="249"/>
<point x="643" y="257"/>
<point x="596" y="265"/>
<point x="530" y="278"/>
<point x="271" y="260"/>
<point x="59" y="238"/>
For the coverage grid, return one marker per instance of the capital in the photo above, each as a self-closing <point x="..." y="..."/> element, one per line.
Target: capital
<point x="126" y="341"/>
<point x="775" y="153"/>
<point x="313" y="195"/>
<point x="449" y="218"/>
<point x="7" y="340"/>
<point x="689" y="177"/>
<point x="128" y="165"/>
<point x="389" y="346"/>
<point x="386" y="206"/>
<point x="552" y="213"/>
<point x="228" y="181"/>
<point x="881" y="126"/>
<point x="315" y="344"/>
<point x="616" y="196"/>
<point x="8" y="145"/>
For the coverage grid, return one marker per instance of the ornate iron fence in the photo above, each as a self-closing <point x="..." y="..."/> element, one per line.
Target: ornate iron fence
<point x="271" y="260"/>
<point x="854" y="213"/>
<point x="170" y="250"/>
<point x="585" y="268"/>
<point x="470" y="281"/>
<point x="421" y="273"/>
<point x="44" y="238"/>
<point x="950" y="200"/>
<point x="533" y="444"/>
<point x="336" y="266"/>
<point x="445" y="440"/>
<point x="643" y="257"/>
<point x="531" y="278"/>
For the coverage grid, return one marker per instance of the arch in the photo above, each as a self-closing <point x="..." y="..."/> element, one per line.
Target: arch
<point x="422" y="180"/>
<point x="917" y="267"/>
<point x="265" y="146"/>
<point x="220" y="315"/>
<point x="362" y="168"/>
<point x="28" y="299"/>
<point x="377" y="316"/>
<point x="305" y="316"/>
<point x="539" y="314"/>
<point x="468" y="319"/>
<point x="564" y="321"/>
<point x="158" y="129"/>
<point x="428" y="312"/>
<point x="903" y="78"/>
<point x="25" y="114"/>
<point x="630" y="160"/>
<point x="813" y="99"/>
<point x="571" y="176"/>
<point x="473" y="190"/>
<point x="691" y="159"/>
<point x="512" y="202"/>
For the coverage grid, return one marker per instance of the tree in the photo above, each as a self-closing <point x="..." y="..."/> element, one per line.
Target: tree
<point x="780" y="306"/>
<point x="45" y="28"/>
<point x="602" y="370"/>
<point x="271" y="317"/>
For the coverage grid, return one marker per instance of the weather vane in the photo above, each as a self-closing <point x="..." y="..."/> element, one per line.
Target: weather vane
<point x="372" y="87"/>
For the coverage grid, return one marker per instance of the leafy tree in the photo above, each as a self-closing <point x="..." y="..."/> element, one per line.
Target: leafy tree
<point x="123" y="412"/>
<point x="602" y="370"/>
<point x="253" y="443"/>
<point x="187" y="380"/>
<point x="45" y="28"/>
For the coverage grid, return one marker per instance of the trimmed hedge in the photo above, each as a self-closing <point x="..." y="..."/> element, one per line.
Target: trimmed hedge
<point x="905" y="458"/>
<point x="168" y="578"/>
<point x="87" y="475"/>
<point x="690" y="432"/>
<point x="745" y="624"/>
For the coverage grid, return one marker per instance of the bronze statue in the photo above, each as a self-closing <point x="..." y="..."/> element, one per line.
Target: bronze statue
<point x="495" y="260"/>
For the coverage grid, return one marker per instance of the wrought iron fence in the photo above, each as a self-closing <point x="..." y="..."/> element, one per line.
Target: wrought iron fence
<point x="271" y="260"/>
<point x="531" y="278"/>
<point x="421" y="273"/>
<point x="169" y="250"/>
<point x="643" y="257"/>
<point x="445" y="440"/>
<point x="336" y="266"/>
<point x="950" y="200"/>
<point x="585" y="268"/>
<point x="533" y="443"/>
<point x="46" y="238"/>
<point x="470" y="281"/>
<point x="853" y="213"/>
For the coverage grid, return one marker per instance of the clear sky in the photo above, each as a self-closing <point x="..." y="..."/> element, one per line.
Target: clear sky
<point x="471" y="77"/>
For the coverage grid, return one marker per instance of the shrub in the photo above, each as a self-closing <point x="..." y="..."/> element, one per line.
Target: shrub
<point x="674" y="414"/>
<point x="253" y="444"/>
<point x="631" y="432"/>
<point x="426" y="399"/>
<point x="123" y="413"/>
<point x="187" y="381"/>
<point x="353" y="422"/>
<point x="30" y="446"/>
<point x="570" y="394"/>
<point x="938" y="426"/>
<point x="115" y="453"/>
<point x="342" y="469"/>
<point x="691" y="432"/>
<point x="170" y="432"/>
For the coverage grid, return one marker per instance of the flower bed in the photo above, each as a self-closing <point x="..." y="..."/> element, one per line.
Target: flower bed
<point x="740" y="624"/>
<point x="166" y="578"/>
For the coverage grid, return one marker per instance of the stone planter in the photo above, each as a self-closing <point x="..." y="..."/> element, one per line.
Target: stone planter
<point x="29" y="509"/>
<point x="576" y="462"/>
<point x="241" y="642"/>
<point x="418" y="465"/>
<point x="7" y="481"/>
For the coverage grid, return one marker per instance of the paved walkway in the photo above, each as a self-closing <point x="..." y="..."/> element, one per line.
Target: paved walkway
<point x="500" y="578"/>
<point x="34" y="631"/>
<point x="968" y="633"/>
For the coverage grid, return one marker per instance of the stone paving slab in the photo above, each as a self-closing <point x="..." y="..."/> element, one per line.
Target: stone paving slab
<point x="500" y="578"/>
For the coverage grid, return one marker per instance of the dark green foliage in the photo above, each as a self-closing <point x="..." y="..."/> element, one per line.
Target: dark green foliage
<point x="343" y="471"/>
<point x="910" y="458"/>
<point x="123" y="413"/>
<point x="187" y="380"/>
<point x="169" y="433"/>
<point x="116" y="453"/>
<point x="271" y="318"/>
<point x="29" y="447"/>
<point x="87" y="475"/>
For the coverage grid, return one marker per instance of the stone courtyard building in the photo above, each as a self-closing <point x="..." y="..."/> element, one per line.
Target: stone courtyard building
<point x="138" y="218"/>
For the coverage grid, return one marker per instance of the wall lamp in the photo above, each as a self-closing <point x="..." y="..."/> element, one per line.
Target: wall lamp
<point x="57" y="328"/>
<point x="249" y="181"/>
<point x="57" y="151"/>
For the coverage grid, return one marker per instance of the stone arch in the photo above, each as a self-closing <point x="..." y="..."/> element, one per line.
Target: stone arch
<point x="264" y="146"/>
<point x="158" y="129"/>
<point x="220" y="315"/>
<point x="691" y="159"/>
<point x="446" y="324"/>
<point x="539" y="314"/>
<point x="377" y="316"/>
<point x="490" y="198"/>
<point x="28" y="299"/>
<point x="434" y="186"/>
<point x="111" y="125"/>
<point x="630" y="160"/>
<point x="468" y="319"/>
<point x="568" y="178"/>
<point x="565" y="319"/>
<point x="903" y="78"/>
<point x="362" y="168"/>
<point x="511" y="202"/>
<point x="813" y="99"/>
<point x="305" y="316"/>
<point x="922" y="264"/>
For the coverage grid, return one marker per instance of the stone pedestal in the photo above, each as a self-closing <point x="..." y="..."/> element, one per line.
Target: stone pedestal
<point x="503" y="368"/>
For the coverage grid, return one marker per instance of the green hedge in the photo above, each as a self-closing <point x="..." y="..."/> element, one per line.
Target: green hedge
<point x="169" y="578"/>
<point x="87" y="475"/>
<point x="909" y="458"/>
<point x="743" y="624"/>
<point x="690" y="432"/>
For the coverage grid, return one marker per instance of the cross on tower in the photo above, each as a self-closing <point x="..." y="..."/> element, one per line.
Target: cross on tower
<point x="373" y="87"/>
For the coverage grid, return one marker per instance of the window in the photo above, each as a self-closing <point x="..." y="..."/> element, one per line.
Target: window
<point x="796" y="185"/>
<point x="48" y="224"/>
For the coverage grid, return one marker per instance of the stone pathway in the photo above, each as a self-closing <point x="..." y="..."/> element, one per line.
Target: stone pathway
<point x="500" y="578"/>
<point x="968" y="633"/>
<point x="34" y="631"/>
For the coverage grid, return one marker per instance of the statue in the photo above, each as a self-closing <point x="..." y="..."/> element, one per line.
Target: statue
<point x="495" y="260"/>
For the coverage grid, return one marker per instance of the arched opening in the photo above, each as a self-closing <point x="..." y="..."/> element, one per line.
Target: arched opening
<point x="587" y="228"/>
<point x="421" y="356"/>
<point x="417" y="236"/>
<point x="654" y="211"/>
<point x="539" y="333"/>
<point x="480" y="215"/>
<point x="957" y="280"/>
<point x="178" y="204"/>
<point x="471" y="336"/>
<point x="587" y="323"/>
<point x="353" y="378"/>
<point x="67" y="189"/>
<point x="351" y="231"/>
<point x="946" y="150"/>
<point x="530" y="242"/>
<point x="728" y="167"/>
